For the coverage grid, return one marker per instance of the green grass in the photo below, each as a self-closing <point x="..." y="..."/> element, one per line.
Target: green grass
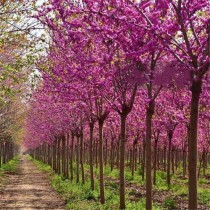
<point x="170" y="203"/>
<point x="204" y="196"/>
<point x="10" y="166"/>
<point x="79" y="196"/>
<point x="41" y="166"/>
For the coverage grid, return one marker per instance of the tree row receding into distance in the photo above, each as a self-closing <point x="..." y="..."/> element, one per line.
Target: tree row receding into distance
<point x="124" y="82"/>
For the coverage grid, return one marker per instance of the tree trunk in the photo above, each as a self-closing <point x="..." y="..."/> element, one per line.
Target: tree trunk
<point x="118" y="153"/>
<point x="96" y="152"/>
<point x="122" y="161"/>
<point x="91" y="157"/>
<point x="164" y="157"/>
<point x="184" y="163"/>
<point x="101" y="167"/>
<point x="192" y="148"/>
<point x="81" y="159"/>
<point x="71" y="158"/>
<point x="63" y="155"/>
<point x="169" y="160"/>
<point x="133" y="158"/>
<point x="204" y="163"/>
<point x="172" y="160"/>
<point x="111" y="154"/>
<point x="143" y="159"/>
<point x="58" y="158"/>
<point x="67" y="156"/>
<point x="155" y="162"/>
<point x="106" y="151"/>
<point x="150" y="112"/>
<point x="77" y="157"/>
<point x="201" y="161"/>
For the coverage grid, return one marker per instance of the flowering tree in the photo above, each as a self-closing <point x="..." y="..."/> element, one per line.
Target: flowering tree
<point x="111" y="57"/>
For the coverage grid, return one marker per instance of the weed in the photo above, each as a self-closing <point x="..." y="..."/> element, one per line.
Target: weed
<point x="170" y="203"/>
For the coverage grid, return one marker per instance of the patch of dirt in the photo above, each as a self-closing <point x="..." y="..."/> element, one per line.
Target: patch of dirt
<point x="29" y="189"/>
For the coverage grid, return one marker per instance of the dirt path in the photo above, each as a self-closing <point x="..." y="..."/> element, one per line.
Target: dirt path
<point x="29" y="189"/>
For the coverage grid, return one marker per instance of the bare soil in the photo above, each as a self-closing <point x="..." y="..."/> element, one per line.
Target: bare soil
<point x="29" y="188"/>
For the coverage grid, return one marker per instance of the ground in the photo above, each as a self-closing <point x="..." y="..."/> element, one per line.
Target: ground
<point x="29" y="188"/>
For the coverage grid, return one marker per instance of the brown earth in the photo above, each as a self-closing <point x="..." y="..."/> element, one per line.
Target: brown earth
<point x="29" y="188"/>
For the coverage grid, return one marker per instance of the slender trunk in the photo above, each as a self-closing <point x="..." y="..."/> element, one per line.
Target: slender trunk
<point x="77" y="157"/>
<point x="204" y="164"/>
<point x="63" y="155"/>
<point x="143" y="158"/>
<point x="176" y="158"/>
<point x="200" y="165"/>
<point x="58" y="158"/>
<point x="122" y="161"/>
<point x="3" y="153"/>
<point x="158" y="158"/>
<point x="106" y="150"/>
<point x="139" y="155"/>
<point x="164" y="157"/>
<point x="184" y="163"/>
<point x="133" y="159"/>
<point x="112" y="155"/>
<point x="81" y="159"/>
<point x="169" y="160"/>
<point x="118" y="153"/>
<point x="48" y="155"/>
<point x="130" y="158"/>
<point x="172" y="160"/>
<point x="67" y="157"/>
<point x="71" y="158"/>
<point x="101" y="168"/>
<point x="91" y="156"/>
<point x="155" y="162"/>
<point x="192" y="148"/>
<point x="150" y="112"/>
<point x="96" y="152"/>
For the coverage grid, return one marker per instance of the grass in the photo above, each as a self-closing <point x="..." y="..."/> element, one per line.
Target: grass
<point x="10" y="167"/>
<point x="204" y="196"/>
<point x="170" y="203"/>
<point x="79" y="196"/>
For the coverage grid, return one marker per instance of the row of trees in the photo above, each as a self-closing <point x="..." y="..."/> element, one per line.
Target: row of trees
<point x="16" y="64"/>
<point x="131" y="73"/>
<point x="9" y="132"/>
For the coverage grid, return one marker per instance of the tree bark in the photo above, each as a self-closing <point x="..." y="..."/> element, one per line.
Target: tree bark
<point x="58" y="157"/>
<point x="169" y="160"/>
<point x="149" y="114"/>
<point x="101" y="167"/>
<point x="67" y="156"/>
<point x="71" y="158"/>
<point x="81" y="158"/>
<point x="122" y="161"/>
<point x="77" y="157"/>
<point x="91" y="156"/>
<point x="112" y="154"/>
<point x="184" y="163"/>
<point x="155" y="162"/>
<point x="143" y="158"/>
<point x="192" y="148"/>
<point x="63" y="155"/>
